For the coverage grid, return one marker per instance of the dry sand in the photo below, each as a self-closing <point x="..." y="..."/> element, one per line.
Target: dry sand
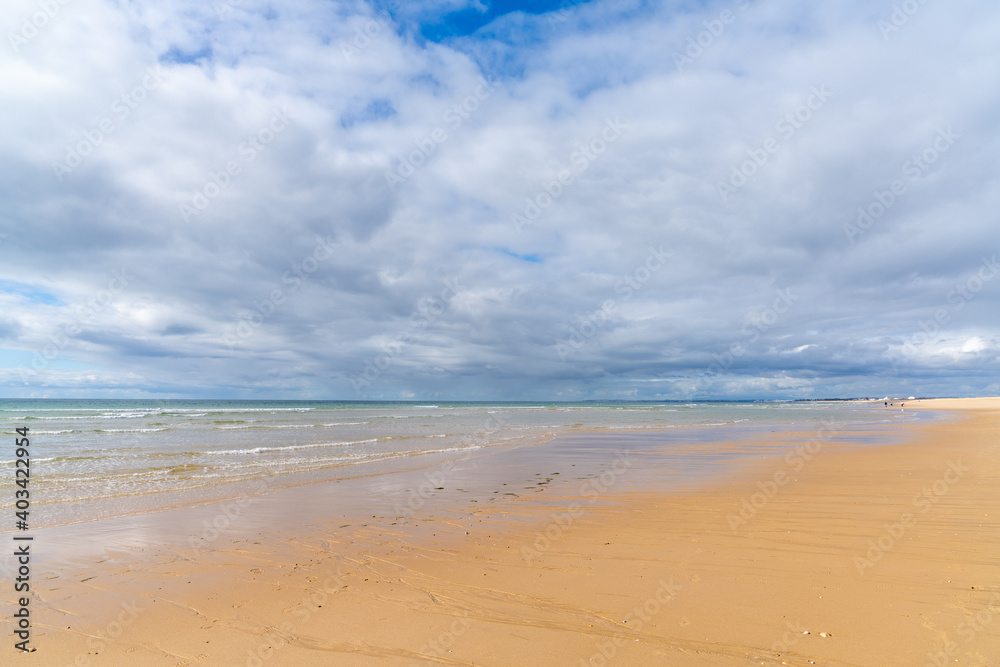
<point x="979" y="404"/>
<point x="831" y="555"/>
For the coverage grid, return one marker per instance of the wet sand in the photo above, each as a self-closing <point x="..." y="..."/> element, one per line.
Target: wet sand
<point x="818" y="551"/>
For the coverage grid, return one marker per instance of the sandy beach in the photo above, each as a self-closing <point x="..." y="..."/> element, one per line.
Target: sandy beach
<point x="818" y="552"/>
<point x="466" y="333"/>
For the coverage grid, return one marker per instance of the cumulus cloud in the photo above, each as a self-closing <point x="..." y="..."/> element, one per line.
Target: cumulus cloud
<point x="452" y="199"/>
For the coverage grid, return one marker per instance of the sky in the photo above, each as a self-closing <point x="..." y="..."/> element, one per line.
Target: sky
<point x="452" y="200"/>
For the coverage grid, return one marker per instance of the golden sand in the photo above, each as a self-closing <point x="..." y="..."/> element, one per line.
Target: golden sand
<point x="829" y="555"/>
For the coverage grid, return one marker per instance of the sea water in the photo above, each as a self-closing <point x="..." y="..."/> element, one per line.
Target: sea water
<point x="100" y="458"/>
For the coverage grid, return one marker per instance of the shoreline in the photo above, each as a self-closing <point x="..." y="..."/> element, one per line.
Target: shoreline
<point x="443" y="590"/>
<point x="737" y="444"/>
<point x="165" y="501"/>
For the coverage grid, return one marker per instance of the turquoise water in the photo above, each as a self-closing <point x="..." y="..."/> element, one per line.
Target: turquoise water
<point x="99" y="458"/>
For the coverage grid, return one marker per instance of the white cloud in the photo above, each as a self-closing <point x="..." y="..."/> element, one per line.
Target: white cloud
<point x="354" y="119"/>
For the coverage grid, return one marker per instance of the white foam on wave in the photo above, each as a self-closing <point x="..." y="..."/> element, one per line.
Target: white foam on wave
<point x="110" y="415"/>
<point x="131" y="414"/>
<point x="130" y="430"/>
<point x="518" y="407"/>
<point x="261" y="409"/>
<point x="259" y="450"/>
<point x="410" y="416"/>
<point x="441" y="451"/>
<point x="260" y="425"/>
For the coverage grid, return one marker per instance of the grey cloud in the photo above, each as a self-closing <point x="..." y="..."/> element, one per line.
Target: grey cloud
<point x="236" y="301"/>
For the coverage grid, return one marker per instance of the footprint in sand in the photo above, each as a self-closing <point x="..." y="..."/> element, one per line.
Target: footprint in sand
<point x="684" y="621"/>
<point x="695" y="578"/>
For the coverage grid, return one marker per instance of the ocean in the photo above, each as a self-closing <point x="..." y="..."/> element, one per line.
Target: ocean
<point x="93" y="459"/>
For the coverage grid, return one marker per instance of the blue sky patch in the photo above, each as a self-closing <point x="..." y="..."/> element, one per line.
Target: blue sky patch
<point x="536" y="259"/>
<point x="30" y="292"/>
<point x="375" y="110"/>
<point x="23" y="359"/>
<point x="175" y="55"/>
<point x="467" y="21"/>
